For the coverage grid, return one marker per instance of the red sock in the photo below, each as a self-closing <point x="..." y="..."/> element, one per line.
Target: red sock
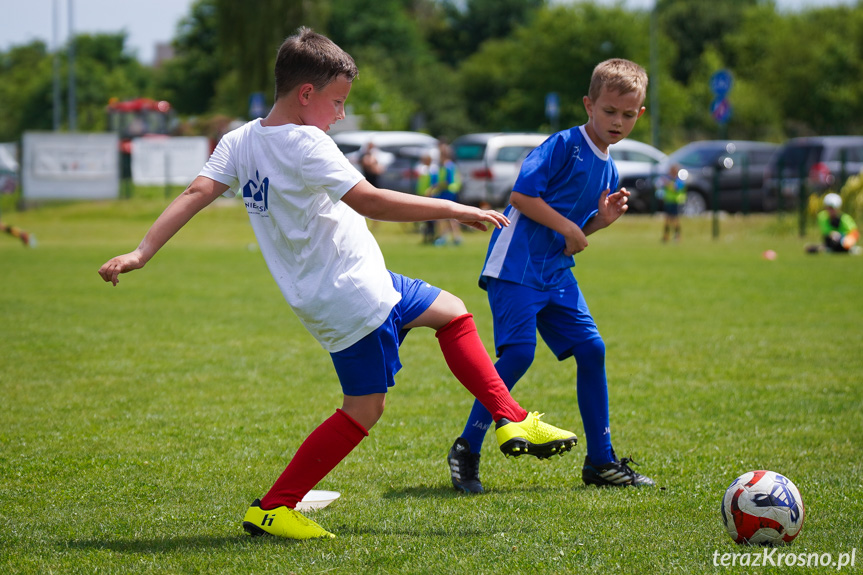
<point x="469" y="362"/>
<point x="317" y="456"/>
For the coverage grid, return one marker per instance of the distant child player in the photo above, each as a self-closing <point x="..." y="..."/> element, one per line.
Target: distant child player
<point x="562" y="195"/>
<point x="672" y="190"/>
<point x="838" y="230"/>
<point x="306" y="204"/>
<point x="27" y="239"/>
<point x="447" y="186"/>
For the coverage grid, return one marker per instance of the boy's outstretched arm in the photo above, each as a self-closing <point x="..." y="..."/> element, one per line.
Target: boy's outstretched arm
<point x="391" y="206"/>
<point x="200" y="193"/>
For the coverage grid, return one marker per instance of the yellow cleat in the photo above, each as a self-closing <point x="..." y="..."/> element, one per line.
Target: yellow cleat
<point x="281" y="522"/>
<point x="533" y="437"/>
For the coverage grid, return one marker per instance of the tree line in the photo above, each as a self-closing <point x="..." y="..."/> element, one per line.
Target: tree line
<point x="450" y="67"/>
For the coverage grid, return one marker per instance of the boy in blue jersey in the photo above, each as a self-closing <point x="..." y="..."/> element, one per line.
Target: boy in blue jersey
<point x="562" y="195"/>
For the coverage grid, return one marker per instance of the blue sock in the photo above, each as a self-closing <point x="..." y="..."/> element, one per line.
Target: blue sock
<point x="593" y="399"/>
<point x="512" y="365"/>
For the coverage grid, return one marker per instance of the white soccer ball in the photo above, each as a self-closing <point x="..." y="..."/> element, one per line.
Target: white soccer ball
<point x="762" y="507"/>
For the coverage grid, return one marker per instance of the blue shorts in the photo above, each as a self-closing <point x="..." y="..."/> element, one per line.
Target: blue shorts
<point x="370" y="365"/>
<point x="448" y="195"/>
<point x="671" y="208"/>
<point x="560" y="315"/>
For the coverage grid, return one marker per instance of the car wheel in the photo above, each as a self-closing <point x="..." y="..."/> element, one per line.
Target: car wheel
<point x="695" y="204"/>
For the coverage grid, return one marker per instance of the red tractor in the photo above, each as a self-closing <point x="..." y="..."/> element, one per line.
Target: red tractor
<point x="138" y="118"/>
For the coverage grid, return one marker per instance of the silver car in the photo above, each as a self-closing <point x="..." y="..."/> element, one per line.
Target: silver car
<point x="489" y="163"/>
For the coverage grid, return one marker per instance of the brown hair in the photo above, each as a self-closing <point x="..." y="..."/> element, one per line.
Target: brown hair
<point x="617" y="75"/>
<point x="309" y="57"/>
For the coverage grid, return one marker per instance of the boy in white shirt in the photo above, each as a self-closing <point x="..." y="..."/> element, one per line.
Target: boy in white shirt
<point x="307" y="205"/>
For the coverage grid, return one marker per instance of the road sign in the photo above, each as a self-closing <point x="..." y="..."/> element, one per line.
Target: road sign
<point x="720" y="109"/>
<point x="258" y="105"/>
<point x="552" y="105"/>
<point x="720" y="83"/>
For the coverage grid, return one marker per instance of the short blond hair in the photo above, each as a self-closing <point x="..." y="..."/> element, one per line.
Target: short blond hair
<point x="618" y="75"/>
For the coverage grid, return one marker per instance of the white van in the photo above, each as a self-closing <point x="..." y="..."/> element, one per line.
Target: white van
<point x="489" y="164"/>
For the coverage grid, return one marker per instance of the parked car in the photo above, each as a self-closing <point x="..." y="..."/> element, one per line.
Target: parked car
<point x="736" y="167"/>
<point x="489" y="164"/>
<point x="823" y="163"/>
<point x="638" y="165"/>
<point x="398" y="153"/>
<point x="8" y="168"/>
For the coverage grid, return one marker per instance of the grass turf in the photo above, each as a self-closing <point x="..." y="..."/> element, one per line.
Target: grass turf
<point x="139" y="422"/>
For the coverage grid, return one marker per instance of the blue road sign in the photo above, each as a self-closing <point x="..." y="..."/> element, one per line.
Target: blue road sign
<point x="720" y="109"/>
<point x="258" y="105"/>
<point x="552" y="105"/>
<point x="720" y="83"/>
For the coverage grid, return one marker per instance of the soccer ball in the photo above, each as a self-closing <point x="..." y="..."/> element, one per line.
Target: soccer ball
<point x="762" y="507"/>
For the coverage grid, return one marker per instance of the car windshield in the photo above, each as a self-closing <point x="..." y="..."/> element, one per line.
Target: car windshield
<point x="470" y="151"/>
<point x="696" y="157"/>
<point x="633" y="156"/>
<point x="799" y="156"/>
<point x="512" y="153"/>
<point x="348" y="148"/>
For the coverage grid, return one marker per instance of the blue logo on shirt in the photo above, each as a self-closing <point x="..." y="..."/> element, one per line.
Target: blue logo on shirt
<point x="256" y="194"/>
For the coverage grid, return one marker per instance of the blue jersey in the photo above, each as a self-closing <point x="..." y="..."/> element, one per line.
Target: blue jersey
<point x="570" y="173"/>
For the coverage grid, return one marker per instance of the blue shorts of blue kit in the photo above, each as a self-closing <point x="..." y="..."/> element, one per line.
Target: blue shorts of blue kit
<point x="370" y="365"/>
<point x="448" y="195"/>
<point x="560" y="315"/>
<point x="671" y="208"/>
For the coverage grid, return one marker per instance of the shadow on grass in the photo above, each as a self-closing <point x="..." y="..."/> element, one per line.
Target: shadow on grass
<point x="448" y="492"/>
<point x="421" y="492"/>
<point x="171" y="544"/>
<point x="420" y="531"/>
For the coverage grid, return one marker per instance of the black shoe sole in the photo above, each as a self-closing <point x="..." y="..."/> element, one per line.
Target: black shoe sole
<point x="517" y="447"/>
<point x="462" y="489"/>
<point x="253" y="529"/>
<point x="603" y="483"/>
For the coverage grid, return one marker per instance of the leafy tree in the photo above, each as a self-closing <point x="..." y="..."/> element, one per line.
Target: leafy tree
<point x="380" y="103"/>
<point x="466" y="25"/>
<point x="388" y="36"/>
<point x="103" y="69"/>
<point x="506" y="81"/>
<point x="807" y="66"/>
<point x="249" y="34"/>
<point x="26" y="89"/>
<point x="694" y="25"/>
<point x="189" y="79"/>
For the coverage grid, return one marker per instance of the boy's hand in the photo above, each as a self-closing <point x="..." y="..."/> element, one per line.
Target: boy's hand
<point x="576" y="241"/>
<point x="476" y="218"/>
<point x="111" y="269"/>
<point x="612" y="206"/>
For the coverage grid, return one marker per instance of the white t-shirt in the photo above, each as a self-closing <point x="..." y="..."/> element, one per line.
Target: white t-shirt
<point x="321" y="253"/>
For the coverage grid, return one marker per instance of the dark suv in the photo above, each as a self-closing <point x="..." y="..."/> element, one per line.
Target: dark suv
<point x="812" y="166"/>
<point x="735" y="167"/>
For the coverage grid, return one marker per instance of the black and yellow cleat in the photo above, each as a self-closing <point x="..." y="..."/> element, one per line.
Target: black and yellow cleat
<point x="533" y="437"/>
<point x="281" y="522"/>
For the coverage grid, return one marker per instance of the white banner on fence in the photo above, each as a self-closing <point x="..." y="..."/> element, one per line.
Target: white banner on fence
<point x="63" y="166"/>
<point x="175" y="161"/>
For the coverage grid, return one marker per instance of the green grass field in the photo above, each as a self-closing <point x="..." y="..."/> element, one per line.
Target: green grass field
<point x="139" y="422"/>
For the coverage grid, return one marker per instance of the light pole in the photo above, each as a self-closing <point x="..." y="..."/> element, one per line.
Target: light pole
<point x="73" y="120"/>
<point x="654" y="80"/>
<point x="56" y="26"/>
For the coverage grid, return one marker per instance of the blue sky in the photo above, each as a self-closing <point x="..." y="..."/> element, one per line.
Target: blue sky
<point x="148" y="22"/>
